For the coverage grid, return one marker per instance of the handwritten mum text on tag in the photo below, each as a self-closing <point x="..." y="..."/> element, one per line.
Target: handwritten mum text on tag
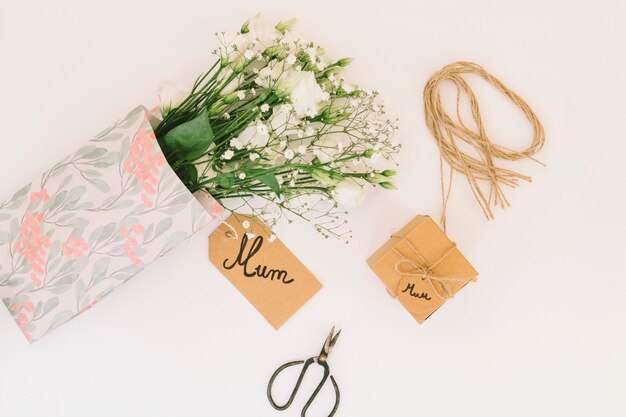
<point x="263" y="269"/>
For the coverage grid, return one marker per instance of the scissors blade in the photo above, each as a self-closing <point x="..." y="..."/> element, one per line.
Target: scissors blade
<point x="330" y="342"/>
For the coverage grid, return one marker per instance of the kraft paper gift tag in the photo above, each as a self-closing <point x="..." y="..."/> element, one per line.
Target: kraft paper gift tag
<point x="262" y="268"/>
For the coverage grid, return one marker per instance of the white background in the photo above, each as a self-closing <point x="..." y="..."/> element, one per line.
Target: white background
<point x="541" y="333"/>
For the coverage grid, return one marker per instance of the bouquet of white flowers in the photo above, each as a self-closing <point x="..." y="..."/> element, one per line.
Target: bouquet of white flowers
<point x="272" y="129"/>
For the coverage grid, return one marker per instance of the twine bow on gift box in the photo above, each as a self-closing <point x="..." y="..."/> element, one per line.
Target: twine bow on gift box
<point x="417" y="267"/>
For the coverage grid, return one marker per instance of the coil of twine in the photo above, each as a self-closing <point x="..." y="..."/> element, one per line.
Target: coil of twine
<point x="481" y="170"/>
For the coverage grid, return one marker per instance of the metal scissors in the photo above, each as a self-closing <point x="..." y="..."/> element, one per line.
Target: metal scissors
<point x="321" y="360"/>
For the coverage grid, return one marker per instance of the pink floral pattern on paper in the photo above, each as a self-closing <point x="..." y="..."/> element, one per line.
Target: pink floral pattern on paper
<point x="33" y="245"/>
<point x="131" y="242"/>
<point x="90" y="223"/>
<point x="75" y="247"/>
<point x="42" y="196"/>
<point x="144" y="162"/>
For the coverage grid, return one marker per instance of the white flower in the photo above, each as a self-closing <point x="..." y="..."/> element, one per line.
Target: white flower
<point x="271" y="238"/>
<point x="348" y="194"/>
<point x="242" y="176"/>
<point x="236" y="144"/>
<point x="283" y="144"/>
<point x="250" y="137"/>
<point x="263" y="32"/>
<point x="291" y="59"/>
<point x="265" y="107"/>
<point x="228" y="155"/>
<point x="311" y="53"/>
<point x="302" y="149"/>
<point x="265" y="72"/>
<point x="254" y="156"/>
<point x="171" y="95"/>
<point x="226" y="116"/>
<point x="245" y="224"/>
<point x="375" y="158"/>
<point x="289" y="154"/>
<point x="347" y="88"/>
<point x="304" y="92"/>
<point x="261" y="128"/>
<point x="241" y="95"/>
<point x="260" y="35"/>
<point x="283" y="119"/>
<point x="330" y="145"/>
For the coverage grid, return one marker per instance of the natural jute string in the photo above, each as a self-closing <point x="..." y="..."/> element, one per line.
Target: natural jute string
<point x="416" y="266"/>
<point x="448" y="132"/>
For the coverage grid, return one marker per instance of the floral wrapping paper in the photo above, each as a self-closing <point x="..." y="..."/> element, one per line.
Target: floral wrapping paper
<point x="90" y="223"/>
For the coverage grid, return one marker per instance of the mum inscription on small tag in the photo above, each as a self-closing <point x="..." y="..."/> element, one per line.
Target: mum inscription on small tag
<point x="410" y="288"/>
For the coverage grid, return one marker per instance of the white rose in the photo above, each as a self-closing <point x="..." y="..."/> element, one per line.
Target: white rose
<point x="262" y="31"/>
<point x="271" y="73"/>
<point x="307" y="96"/>
<point x="304" y="92"/>
<point x="348" y="194"/>
<point x="260" y="35"/>
<point x="251" y="136"/>
<point x="171" y="95"/>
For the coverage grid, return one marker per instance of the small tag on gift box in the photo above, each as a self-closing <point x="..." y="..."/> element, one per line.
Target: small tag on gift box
<point x="417" y="296"/>
<point x="262" y="268"/>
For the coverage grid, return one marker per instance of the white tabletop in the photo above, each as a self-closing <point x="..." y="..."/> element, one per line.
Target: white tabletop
<point x="540" y="333"/>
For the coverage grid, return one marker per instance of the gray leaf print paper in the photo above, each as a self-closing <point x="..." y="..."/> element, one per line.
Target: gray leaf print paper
<point x="91" y="222"/>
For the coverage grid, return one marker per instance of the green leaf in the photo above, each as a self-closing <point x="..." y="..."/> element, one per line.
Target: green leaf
<point x="190" y="139"/>
<point x="162" y="227"/>
<point x="60" y="318"/>
<point x="188" y="174"/>
<point x="19" y="197"/>
<point x="50" y="305"/>
<point x="37" y="311"/>
<point x="225" y="180"/>
<point x="99" y="270"/>
<point x="100" y="184"/>
<point x="270" y="180"/>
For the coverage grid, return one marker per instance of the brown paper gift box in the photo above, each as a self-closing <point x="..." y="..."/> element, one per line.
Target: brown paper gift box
<point x="421" y="267"/>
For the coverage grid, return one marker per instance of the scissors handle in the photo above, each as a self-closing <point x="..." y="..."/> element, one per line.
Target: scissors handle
<point x="306" y="363"/>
